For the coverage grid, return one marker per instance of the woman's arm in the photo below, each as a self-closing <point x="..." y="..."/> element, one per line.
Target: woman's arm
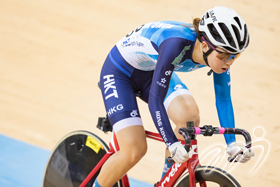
<point x="171" y="52"/>
<point x="224" y="107"/>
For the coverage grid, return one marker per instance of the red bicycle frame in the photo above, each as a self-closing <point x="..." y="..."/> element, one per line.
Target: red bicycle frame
<point x="170" y="177"/>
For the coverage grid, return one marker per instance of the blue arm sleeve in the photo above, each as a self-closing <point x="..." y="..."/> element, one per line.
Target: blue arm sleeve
<point x="223" y="103"/>
<point x="168" y="51"/>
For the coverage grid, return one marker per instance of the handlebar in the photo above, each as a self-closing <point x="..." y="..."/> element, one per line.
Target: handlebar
<point x="208" y="130"/>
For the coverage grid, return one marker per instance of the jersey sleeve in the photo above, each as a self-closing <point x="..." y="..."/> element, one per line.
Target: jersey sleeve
<point x="171" y="52"/>
<point x="224" y="106"/>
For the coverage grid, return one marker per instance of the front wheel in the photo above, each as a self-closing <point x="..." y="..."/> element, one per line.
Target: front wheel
<point x="73" y="158"/>
<point x="216" y="177"/>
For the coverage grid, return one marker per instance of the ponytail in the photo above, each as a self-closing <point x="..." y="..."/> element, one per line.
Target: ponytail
<point x="196" y="24"/>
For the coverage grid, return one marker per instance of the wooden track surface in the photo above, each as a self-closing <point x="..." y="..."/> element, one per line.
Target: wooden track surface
<point x="51" y="53"/>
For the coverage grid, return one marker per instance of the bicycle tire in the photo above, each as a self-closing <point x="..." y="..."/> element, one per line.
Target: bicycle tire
<point x="211" y="174"/>
<point x="73" y="158"/>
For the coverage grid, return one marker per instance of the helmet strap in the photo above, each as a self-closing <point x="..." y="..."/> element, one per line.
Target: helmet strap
<point x="210" y="72"/>
<point x="206" y="61"/>
<point x="206" y="54"/>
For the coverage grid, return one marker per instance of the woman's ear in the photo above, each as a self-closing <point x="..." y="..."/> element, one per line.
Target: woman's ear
<point x="204" y="47"/>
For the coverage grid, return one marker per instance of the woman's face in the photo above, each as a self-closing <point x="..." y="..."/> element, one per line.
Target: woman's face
<point x="217" y="64"/>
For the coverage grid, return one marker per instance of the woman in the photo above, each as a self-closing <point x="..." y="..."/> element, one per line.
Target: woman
<point x="144" y="62"/>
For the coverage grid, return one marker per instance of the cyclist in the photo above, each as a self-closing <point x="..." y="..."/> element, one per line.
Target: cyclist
<point x="143" y="62"/>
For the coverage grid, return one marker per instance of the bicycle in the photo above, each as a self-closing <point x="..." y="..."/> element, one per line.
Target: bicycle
<point x="78" y="157"/>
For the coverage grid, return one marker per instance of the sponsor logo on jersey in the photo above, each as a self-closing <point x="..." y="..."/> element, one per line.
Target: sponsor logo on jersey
<point x="134" y="113"/>
<point x="162" y="82"/>
<point x="179" y="58"/>
<point x="178" y="86"/>
<point x="168" y="73"/>
<point x="228" y="71"/>
<point x="126" y="43"/>
<point x="109" y="85"/>
<point x="114" y="109"/>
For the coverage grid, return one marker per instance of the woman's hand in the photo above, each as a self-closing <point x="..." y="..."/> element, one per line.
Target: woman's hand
<point x="178" y="152"/>
<point x="239" y="153"/>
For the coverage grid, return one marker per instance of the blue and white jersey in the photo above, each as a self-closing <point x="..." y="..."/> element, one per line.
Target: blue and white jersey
<point x="159" y="48"/>
<point x="140" y="47"/>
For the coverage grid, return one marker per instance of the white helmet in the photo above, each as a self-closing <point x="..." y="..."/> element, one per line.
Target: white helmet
<point x="224" y="28"/>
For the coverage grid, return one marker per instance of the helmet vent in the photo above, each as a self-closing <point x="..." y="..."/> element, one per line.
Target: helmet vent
<point x="242" y="43"/>
<point x="207" y="15"/>
<point x="215" y="34"/>
<point x="229" y="49"/>
<point x="227" y="34"/>
<point x="236" y="32"/>
<point x="202" y="21"/>
<point x="238" y="22"/>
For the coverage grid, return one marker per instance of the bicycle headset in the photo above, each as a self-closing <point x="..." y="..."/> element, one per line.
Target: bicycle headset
<point x="223" y="27"/>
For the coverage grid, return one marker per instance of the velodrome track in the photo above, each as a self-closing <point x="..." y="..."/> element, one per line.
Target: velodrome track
<point x="51" y="53"/>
